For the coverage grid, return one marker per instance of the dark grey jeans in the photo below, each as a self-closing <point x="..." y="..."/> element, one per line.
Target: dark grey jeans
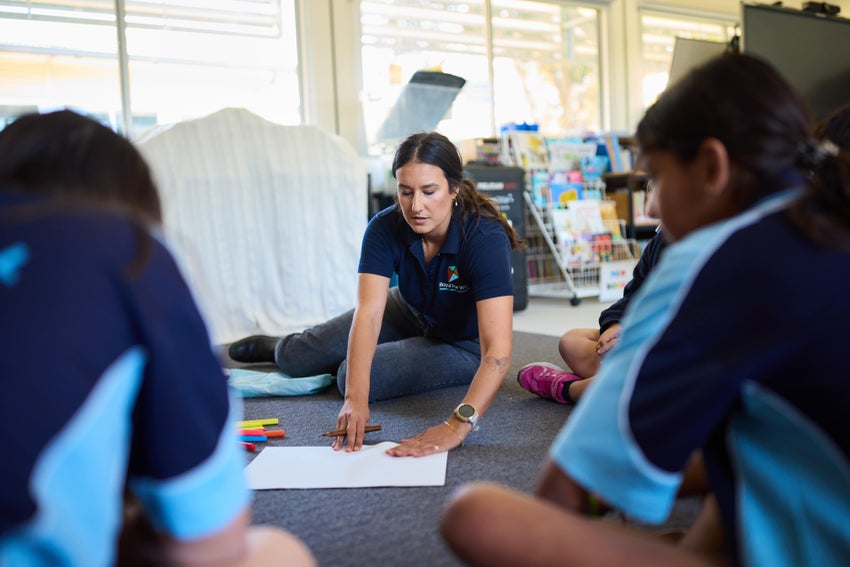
<point x="407" y="360"/>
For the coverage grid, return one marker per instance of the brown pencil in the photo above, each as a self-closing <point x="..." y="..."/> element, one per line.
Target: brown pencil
<point x="343" y="432"/>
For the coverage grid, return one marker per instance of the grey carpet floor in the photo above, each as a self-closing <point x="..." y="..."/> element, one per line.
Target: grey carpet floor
<point x="399" y="526"/>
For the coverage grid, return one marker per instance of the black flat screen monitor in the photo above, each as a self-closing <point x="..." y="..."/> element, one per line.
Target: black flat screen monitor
<point x="812" y="52"/>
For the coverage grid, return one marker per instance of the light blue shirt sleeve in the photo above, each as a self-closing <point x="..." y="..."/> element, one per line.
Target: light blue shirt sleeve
<point x="206" y="499"/>
<point x="596" y="447"/>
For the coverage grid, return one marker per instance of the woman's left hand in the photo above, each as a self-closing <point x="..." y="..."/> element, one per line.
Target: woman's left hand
<point x="435" y="439"/>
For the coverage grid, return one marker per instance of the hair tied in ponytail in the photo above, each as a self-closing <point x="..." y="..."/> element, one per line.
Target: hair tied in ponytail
<point x="811" y="155"/>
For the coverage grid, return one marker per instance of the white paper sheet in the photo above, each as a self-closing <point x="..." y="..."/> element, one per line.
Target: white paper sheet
<point x="322" y="467"/>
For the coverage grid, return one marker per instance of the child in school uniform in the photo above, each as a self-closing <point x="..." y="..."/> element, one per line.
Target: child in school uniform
<point x="735" y="347"/>
<point x="117" y="423"/>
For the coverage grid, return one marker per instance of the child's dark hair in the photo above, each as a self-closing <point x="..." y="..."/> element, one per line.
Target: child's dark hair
<point x="836" y="128"/>
<point x="435" y="149"/>
<point x="79" y="162"/>
<point x="743" y="102"/>
<point x="66" y="154"/>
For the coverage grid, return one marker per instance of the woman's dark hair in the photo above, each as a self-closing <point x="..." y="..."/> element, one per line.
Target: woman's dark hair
<point x="79" y="162"/>
<point x="743" y="102"/>
<point x="432" y="148"/>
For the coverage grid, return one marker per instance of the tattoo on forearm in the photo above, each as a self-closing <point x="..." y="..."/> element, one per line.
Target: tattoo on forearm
<point x="497" y="364"/>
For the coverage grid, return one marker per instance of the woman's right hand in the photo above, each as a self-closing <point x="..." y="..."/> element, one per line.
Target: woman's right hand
<point x="353" y="417"/>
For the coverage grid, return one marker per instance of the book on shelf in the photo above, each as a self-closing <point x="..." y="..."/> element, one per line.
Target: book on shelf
<point x="619" y="153"/>
<point x="608" y="212"/>
<point x="566" y="154"/>
<point x="580" y="233"/>
<point x="525" y="148"/>
<point x="565" y="186"/>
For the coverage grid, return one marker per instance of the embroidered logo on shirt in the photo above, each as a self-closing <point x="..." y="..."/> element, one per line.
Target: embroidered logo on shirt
<point x="453" y="283"/>
<point x="12" y="259"/>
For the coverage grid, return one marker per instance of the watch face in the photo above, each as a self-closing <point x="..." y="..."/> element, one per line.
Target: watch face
<point x="465" y="411"/>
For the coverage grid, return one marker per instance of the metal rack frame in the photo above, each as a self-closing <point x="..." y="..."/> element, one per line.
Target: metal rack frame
<point x="549" y="273"/>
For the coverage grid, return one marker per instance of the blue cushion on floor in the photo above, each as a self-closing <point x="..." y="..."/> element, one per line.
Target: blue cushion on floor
<point x="254" y="384"/>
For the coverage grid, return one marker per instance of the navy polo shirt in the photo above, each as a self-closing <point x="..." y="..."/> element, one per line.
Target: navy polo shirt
<point x="473" y="264"/>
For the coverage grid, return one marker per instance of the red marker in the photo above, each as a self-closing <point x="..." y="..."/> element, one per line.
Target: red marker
<point x="252" y="431"/>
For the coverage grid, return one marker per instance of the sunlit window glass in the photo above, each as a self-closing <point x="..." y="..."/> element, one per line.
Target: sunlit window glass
<point x="542" y="65"/>
<point x="186" y="58"/>
<point x="57" y="55"/>
<point x="189" y="58"/>
<point x="401" y="37"/>
<point x="546" y="65"/>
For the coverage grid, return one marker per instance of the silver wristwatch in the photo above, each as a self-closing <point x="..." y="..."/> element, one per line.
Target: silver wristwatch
<point x="467" y="413"/>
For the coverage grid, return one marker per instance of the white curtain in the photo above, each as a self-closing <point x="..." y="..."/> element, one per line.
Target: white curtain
<point x="265" y="220"/>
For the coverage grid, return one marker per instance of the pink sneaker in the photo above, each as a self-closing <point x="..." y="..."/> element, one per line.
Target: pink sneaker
<point x="546" y="380"/>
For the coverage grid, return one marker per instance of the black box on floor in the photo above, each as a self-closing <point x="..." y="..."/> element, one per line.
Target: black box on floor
<point x="506" y="185"/>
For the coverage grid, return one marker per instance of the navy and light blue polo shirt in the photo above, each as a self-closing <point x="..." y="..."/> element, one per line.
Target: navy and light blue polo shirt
<point x="737" y="345"/>
<point x="108" y="377"/>
<point x="473" y="264"/>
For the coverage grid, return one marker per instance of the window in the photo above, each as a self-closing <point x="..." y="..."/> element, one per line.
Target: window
<point x="190" y="58"/>
<point x="186" y="58"/>
<point x="56" y="55"/>
<point x="532" y="61"/>
<point x="401" y="37"/>
<point x="546" y="65"/>
<point x="658" y="33"/>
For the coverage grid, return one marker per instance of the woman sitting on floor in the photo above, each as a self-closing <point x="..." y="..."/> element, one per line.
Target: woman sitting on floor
<point x="448" y="323"/>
